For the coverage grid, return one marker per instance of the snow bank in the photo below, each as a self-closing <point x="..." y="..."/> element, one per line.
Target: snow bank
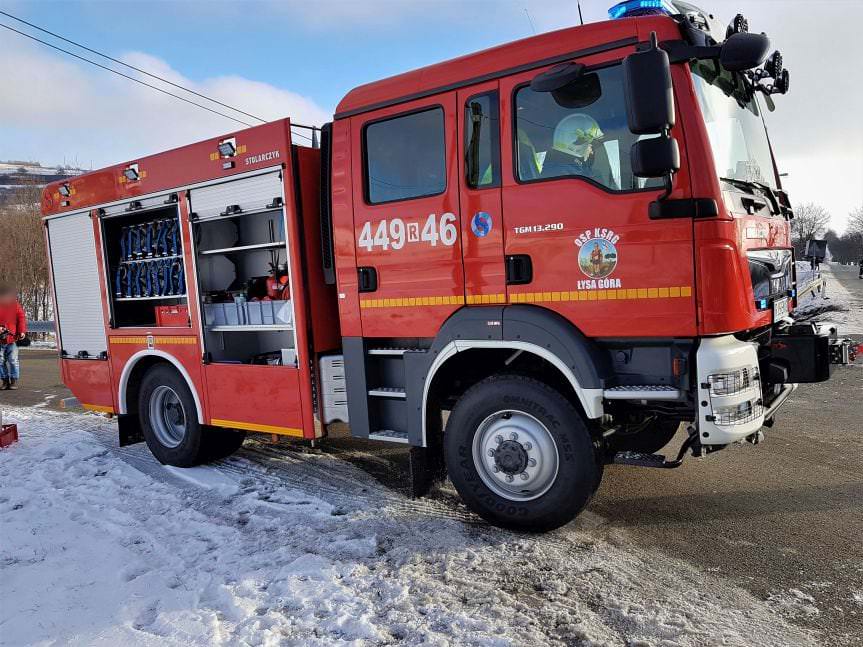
<point x="100" y="545"/>
<point x="839" y="304"/>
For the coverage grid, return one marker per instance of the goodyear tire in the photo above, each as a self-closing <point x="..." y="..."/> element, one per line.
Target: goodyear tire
<point x="519" y="454"/>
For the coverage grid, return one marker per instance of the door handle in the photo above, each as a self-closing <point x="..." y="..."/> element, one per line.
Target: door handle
<point x="519" y="269"/>
<point x="368" y="279"/>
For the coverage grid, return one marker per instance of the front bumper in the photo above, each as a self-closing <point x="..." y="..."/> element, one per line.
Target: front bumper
<point x="742" y="384"/>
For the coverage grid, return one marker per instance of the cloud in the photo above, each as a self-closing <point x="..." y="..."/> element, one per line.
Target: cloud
<point x="54" y="107"/>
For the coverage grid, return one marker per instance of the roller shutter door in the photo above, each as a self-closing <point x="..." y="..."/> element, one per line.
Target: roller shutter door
<point x="77" y="288"/>
<point x="250" y="194"/>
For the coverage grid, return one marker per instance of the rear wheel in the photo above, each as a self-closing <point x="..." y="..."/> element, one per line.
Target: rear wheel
<point x="520" y="454"/>
<point x="170" y="424"/>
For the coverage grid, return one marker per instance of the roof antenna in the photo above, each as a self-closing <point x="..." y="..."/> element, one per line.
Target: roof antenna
<point x="530" y="20"/>
<point x="580" y="17"/>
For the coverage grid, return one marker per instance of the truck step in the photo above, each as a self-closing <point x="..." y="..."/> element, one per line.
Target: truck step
<point x="389" y="436"/>
<point x="393" y="351"/>
<point x="643" y="460"/>
<point x="642" y="392"/>
<point x="388" y="392"/>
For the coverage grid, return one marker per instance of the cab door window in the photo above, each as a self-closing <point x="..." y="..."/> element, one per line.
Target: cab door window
<point x="405" y="157"/>
<point x="580" y="131"/>
<point x="482" y="141"/>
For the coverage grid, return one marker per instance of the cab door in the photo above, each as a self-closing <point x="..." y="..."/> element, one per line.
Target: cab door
<point x="577" y="212"/>
<point x="481" y="201"/>
<point x="407" y="219"/>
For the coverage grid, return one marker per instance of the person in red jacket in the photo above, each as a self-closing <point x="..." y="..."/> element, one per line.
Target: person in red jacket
<point x="13" y="326"/>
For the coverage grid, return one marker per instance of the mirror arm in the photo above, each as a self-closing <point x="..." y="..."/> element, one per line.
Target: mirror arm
<point x="669" y="185"/>
<point x="669" y="177"/>
<point x="680" y="51"/>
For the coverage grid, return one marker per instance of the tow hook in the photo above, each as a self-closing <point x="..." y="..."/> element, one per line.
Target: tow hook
<point x="658" y="460"/>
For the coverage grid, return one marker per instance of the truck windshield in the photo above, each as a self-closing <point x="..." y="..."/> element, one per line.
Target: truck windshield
<point x="735" y="126"/>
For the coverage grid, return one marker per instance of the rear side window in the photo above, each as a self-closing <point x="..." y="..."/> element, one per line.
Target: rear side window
<point x="578" y="131"/>
<point x="405" y="157"/>
<point x="482" y="141"/>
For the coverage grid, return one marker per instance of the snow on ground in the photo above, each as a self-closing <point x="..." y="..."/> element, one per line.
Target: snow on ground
<point x="841" y="305"/>
<point x="100" y="545"/>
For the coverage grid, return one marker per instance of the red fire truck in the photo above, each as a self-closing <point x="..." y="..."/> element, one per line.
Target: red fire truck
<point x="523" y="264"/>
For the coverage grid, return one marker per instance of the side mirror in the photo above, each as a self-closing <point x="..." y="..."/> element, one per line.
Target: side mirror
<point x="655" y="157"/>
<point x="744" y="51"/>
<point x="648" y="91"/>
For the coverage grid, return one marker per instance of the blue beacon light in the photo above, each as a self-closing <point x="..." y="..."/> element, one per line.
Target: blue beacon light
<point x="631" y="8"/>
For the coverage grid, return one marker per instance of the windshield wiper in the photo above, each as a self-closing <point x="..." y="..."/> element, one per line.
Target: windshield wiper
<point x="771" y="195"/>
<point x="752" y="186"/>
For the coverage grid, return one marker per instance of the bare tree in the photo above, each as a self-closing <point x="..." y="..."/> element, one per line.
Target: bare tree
<point x="22" y="250"/>
<point x="810" y="222"/>
<point x="855" y="221"/>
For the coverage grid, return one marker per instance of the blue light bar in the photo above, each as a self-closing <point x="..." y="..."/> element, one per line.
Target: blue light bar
<point x="631" y="8"/>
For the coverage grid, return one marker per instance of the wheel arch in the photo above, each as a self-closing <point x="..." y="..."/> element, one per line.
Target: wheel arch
<point x="531" y="330"/>
<point x="137" y="365"/>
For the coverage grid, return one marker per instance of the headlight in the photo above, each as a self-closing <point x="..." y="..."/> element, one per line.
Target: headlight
<point x="731" y="382"/>
<point x="737" y="414"/>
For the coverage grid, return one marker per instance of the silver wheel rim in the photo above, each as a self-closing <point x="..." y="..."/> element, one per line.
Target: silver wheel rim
<point x="515" y="455"/>
<point x="167" y="416"/>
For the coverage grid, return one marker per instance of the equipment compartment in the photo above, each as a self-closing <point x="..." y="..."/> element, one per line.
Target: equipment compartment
<point x="145" y="267"/>
<point x="243" y="273"/>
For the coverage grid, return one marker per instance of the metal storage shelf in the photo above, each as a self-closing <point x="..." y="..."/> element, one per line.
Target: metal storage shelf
<point x="166" y="296"/>
<point x="238" y="214"/>
<point x="242" y="248"/>
<point x="250" y="328"/>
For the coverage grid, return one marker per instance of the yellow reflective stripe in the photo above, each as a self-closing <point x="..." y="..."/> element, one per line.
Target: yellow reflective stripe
<point x="619" y="294"/>
<point x="98" y="408"/>
<point x="601" y="295"/>
<point x="409" y="302"/>
<point x="250" y="426"/>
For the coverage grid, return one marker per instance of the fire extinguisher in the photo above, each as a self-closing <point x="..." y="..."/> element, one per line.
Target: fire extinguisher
<point x="278" y="288"/>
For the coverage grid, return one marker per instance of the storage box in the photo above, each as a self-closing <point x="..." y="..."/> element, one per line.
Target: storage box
<point x="224" y="314"/>
<point x="8" y="435"/>
<point x="268" y="313"/>
<point x="177" y="315"/>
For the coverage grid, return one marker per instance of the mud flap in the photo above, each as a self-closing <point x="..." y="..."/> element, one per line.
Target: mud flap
<point x="129" y="428"/>
<point x="426" y="469"/>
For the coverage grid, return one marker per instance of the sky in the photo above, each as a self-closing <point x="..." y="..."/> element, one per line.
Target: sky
<point x="275" y="58"/>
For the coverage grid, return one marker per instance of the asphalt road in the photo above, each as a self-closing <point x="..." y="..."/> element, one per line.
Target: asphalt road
<point x="783" y="519"/>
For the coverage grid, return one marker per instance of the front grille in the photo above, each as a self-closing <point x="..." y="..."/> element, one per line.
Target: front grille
<point x="772" y="274"/>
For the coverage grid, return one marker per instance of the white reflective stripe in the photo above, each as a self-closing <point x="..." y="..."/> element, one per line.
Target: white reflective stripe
<point x="250" y="194"/>
<point x="591" y="399"/>
<point x="134" y="359"/>
<point x="76" y="284"/>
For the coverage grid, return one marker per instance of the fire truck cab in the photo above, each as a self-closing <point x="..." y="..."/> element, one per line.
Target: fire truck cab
<point x="524" y="264"/>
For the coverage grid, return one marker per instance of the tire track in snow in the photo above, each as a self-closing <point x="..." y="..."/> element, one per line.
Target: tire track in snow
<point x="277" y="546"/>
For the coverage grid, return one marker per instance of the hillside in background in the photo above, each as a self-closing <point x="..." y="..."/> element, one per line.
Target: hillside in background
<point x="15" y="175"/>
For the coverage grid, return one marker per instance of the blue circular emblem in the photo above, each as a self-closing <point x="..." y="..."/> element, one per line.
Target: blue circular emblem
<point x="480" y="224"/>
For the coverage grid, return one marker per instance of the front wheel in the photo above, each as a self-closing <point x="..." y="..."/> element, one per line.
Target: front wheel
<point x="519" y="454"/>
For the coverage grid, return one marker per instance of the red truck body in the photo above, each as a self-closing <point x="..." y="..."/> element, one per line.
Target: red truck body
<point x="406" y="294"/>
